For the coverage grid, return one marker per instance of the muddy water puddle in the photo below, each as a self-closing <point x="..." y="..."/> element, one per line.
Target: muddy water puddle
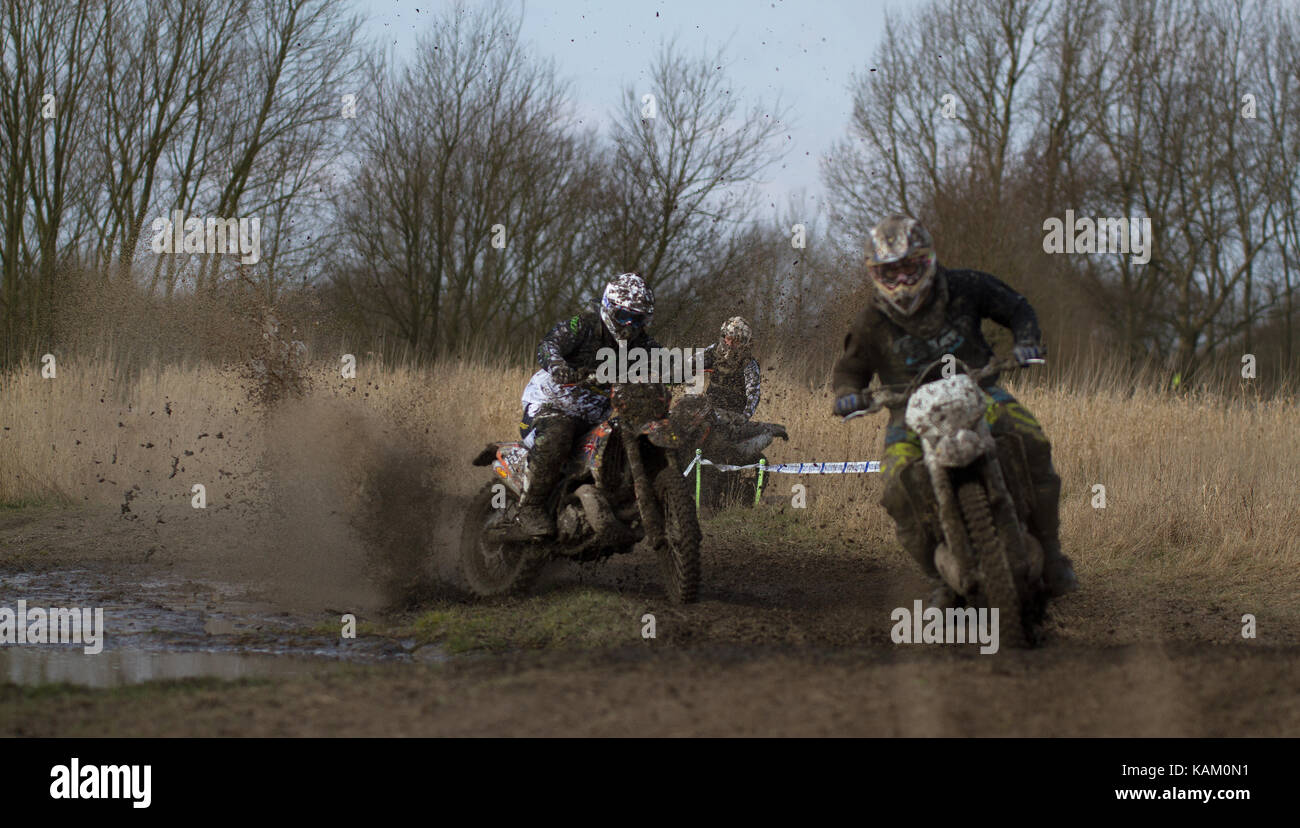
<point x="158" y="629"/>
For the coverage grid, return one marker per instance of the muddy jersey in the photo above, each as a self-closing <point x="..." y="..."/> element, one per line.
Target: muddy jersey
<point x="544" y="396"/>
<point x="879" y="343"/>
<point x="732" y="388"/>
<point x="578" y="341"/>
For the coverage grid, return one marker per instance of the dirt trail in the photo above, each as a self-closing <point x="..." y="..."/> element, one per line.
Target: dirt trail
<point x="785" y="641"/>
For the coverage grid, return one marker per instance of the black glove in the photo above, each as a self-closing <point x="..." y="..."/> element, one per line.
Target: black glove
<point x="564" y="373"/>
<point x="849" y="403"/>
<point x="1025" y="351"/>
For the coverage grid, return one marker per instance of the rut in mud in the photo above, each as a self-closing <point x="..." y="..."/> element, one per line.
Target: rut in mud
<point x="787" y="639"/>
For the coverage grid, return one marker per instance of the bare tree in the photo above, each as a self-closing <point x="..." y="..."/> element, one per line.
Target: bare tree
<point x="676" y="192"/>
<point x="160" y="59"/>
<point x="47" y="54"/>
<point x="1123" y="110"/>
<point x="471" y="188"/>
<point x="276" y="146"/>
<point x="943" y="106"/>
<point x="1184" y="157"/>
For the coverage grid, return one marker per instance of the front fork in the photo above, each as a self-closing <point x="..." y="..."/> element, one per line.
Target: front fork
<point x="1005" y="516"/>
<point x="950" y="519"/>
<point x="647" y="503"/>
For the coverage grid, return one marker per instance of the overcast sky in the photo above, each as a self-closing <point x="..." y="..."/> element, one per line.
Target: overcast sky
<point x="804" y="51"/>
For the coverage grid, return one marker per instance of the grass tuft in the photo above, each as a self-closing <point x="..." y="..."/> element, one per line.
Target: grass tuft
<point x="569" y="619"/>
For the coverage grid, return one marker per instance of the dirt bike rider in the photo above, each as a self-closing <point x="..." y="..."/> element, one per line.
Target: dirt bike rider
<point x="554" y="407"/>
<point x="734" y="387"/>
<point x="919" y="312"/>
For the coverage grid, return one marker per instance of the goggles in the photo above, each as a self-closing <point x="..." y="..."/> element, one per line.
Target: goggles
<point x="903" y="272"/>
<point x="627" y="318"/>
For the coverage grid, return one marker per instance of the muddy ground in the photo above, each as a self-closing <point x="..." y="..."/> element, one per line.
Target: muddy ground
<point x="791" y="637"/>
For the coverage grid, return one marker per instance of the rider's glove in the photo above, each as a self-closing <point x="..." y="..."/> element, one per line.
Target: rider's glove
<point x="564" y="373"/>
<point x="1026" y="351"/>
<point x="849" y="403"/>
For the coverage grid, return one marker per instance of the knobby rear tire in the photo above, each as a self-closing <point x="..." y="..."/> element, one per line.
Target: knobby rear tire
<point x="519" y="565"/>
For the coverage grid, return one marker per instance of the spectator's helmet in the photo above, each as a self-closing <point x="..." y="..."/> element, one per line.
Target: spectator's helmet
<point x="627" y="306"/>
<point x="900" y="257"/>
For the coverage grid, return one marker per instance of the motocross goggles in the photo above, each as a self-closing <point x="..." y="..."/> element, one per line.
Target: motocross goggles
<point x="623" y="318"/>
<point x="624" y="323"/>
<point x="904" y="272"/>
<point x="905" y="283"/>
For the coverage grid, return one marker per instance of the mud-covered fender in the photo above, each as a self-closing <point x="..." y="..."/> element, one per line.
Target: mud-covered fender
<point x="509" y="461"/>
<point x="957" y="451"/>
<point x="660" y="433"/>
<point x="487" y="455"/>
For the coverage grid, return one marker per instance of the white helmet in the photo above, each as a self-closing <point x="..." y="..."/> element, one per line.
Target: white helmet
<point x="627" y="306"/>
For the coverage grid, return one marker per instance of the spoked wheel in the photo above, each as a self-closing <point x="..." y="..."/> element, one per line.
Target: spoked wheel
<point x="679" y="552"/>
<point x="998" y="581"/>
<point x="495" y="567"/>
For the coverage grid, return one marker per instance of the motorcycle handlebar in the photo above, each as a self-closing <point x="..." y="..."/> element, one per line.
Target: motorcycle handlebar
<point x="881" y="398"/>
<point x="588" y="383"/>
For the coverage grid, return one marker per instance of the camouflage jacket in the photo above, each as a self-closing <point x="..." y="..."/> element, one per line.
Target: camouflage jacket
<point x="880" y="343"/>
<point x="733" y="389"/>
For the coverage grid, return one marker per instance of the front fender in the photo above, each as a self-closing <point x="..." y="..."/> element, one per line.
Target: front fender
<point x="487" y="455"/>
<point x="956" y="451"/>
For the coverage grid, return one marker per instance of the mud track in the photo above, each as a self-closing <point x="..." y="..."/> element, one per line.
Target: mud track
<point x="785" y="641"/>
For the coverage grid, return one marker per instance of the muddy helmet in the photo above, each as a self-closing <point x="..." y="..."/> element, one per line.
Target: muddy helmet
<point x="900" y="257"/>
<point x="736" y="332"/>
<point x="735" y="337"/>
<point x="627" y="306"/>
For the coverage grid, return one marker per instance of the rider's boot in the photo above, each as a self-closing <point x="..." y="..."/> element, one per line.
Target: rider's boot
<point x="942" y="596"/>
<point x="545" y="468"/>
<point x="907" y="507"/>
<point x="1058" y="570"/>
<point x="921" y="547"/>
<point x="916" y="541"/>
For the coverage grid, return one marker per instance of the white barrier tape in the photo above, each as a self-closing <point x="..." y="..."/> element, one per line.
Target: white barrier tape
<point x="851" y="467"/>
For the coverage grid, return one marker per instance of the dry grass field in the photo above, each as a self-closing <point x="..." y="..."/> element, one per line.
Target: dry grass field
<point x="1200" y="526"/>
<point x="1198" y="482"/>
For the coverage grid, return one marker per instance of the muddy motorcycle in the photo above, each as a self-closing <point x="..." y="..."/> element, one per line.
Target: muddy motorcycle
<point x="982" y="490"/>
<point x="720" y="438"/>
<point x="621" y="485"/>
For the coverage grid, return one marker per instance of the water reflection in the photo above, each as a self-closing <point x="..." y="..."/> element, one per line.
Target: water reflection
<point x="34" y="665"/>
